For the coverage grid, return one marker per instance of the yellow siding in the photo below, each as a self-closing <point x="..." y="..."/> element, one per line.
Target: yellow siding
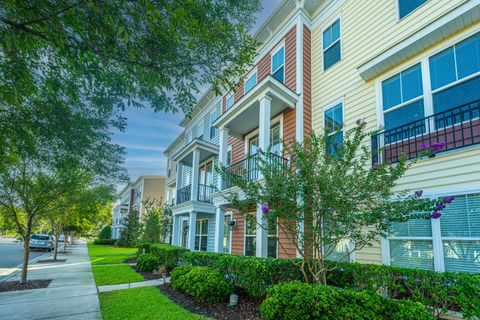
<point x="368" y="29"/>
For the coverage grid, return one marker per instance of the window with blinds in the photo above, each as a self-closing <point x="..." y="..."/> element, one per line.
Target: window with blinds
<point x="405" y="7"/>
<point x="332" y="45"/>
<point x="250" y="83"/>
<point x="201" y="235"/>
<point x="278" y="65"/>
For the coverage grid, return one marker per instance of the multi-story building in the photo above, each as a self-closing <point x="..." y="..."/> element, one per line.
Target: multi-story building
<point x="412" y="67"/>
<point x="134" y="197"/>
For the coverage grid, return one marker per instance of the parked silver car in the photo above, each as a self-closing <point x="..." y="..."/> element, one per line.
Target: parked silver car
<point x="42" y="241"/>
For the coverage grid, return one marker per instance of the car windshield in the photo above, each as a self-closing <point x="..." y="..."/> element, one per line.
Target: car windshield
<point x="39" y="237"/>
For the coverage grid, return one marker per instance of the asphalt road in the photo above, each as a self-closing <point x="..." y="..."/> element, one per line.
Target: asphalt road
<point x="11" y="253"/>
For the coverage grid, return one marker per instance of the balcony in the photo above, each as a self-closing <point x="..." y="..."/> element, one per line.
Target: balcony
<point x="205" y="193"/>
<point x="249" y="168"/>
<point x="184" y="194"/>
<point x="455" y="128"/>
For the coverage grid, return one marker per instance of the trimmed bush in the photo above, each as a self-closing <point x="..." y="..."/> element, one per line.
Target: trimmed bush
<point x="169" y="256"/>
<point x="147" y="262"/>
<point x="105" y="242"/>
<point x="442" y="291"/>
<point x="203" y="283"/>
<point x="253" y="275"/>
<point x="297" y="300"/>
<point x="177" y="273"/>
<point x="144" y="246"/>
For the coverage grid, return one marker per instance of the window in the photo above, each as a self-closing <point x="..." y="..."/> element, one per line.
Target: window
<point x="213" y="132"/>
<point x="275" y="143"/>
<point x="455" y="235"/>
<point x="201" y="235"/>
<point x="250" y="83"/>
<point x="407" y="6"/>
<point x="227" y="234"/>
<point x="340" y="252"/>
<point x="250" y="234"/>
<point x="333" y="118"/>
<point x="272" y="240"/>
<point x="229" y="101"/>
<point x="402" y="100"/>
<point x="278" y="65"/>
<point x="332" y="45"/>
<point x="454" y="75"/>
<point x="229" y="155"/>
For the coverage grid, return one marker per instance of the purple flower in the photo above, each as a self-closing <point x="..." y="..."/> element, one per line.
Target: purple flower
<point x="418" y="193"/>
<point x="448" y="199"/>
<point x="438" y="146"/>
<point x="424" y="146"/>
<point x="361" y="122"/>
<point x="265" y="208"/>
<point x="439" y="207"/>
<point x="435" y="215"/>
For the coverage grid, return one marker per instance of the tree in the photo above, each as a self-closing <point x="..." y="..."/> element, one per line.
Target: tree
<point x="130" y="235"/>
<point x="328" y="195"/>
<point x="166" y="225"/>
<point x="106" y="233"/>
<point x="152" y="226"/>
<point x="118" y="53"/>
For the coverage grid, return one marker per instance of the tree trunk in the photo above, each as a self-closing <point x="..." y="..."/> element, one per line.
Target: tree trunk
<point x="55" y="251"/>
<point x="65" y="237"/>
<point x="26" y="250"/>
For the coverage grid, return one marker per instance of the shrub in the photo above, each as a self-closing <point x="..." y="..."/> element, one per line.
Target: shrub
<point x="144" y="246"/>
<point x="297" y="300"/>
<point x="169" y="256"/>
<point x="106" y="233"/>
<point x="148" y="262"/>
<point x="253" y="275"/>
<point x="176" y="274"/>
<point x="442" y="291"/>
<point x="204" y="284"/>
<point x="105" y="242"/>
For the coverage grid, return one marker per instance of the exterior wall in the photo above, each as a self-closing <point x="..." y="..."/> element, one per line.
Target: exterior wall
<point x="238" y="233"/>
<point x="458" y="169"/>
<point x="153" y="189"/>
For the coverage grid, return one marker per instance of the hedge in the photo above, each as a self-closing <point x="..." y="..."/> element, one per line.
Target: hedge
<point x="168" y="255"/>
<point x="105" y="242"/>
<point x="442" y="291"/>
<point x="203" y="283"/>
<point x="297" y="300"/>
<point x="148" y="262"/>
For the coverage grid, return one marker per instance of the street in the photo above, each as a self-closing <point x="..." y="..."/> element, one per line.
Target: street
<point x="11" y="254"/>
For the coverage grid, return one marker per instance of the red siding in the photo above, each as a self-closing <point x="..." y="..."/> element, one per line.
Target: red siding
<point x="238" y="148"/>
<point x="290" y="55"/>
<point x="238" y="234"/>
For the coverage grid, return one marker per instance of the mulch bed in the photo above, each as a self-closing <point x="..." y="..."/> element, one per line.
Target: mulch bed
<point x="246" y="309"/>
<point x="147" y="275"/>
<point x="51" y="260"/>
<point x="16" y="286"/>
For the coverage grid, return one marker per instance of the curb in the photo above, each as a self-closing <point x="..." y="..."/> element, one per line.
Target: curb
<point x="18" y="268"/>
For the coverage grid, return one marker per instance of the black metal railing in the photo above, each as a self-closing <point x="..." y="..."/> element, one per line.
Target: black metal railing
<point x="172" y="202"/>
<point x="447" y="130"/>
<point x="250" y="167"/>
<point x="184" y="194"/>
<point x="205" y="193"/>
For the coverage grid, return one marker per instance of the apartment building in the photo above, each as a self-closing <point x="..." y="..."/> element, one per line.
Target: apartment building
<point x="133" y="198"/>
<point x="409" y="66"/>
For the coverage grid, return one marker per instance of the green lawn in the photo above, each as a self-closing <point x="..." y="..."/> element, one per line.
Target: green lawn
<point x="101" y="250"/>
<point x="141" y="303"/>
<point x="97" y="260"/>
<point x="121" y="273"/>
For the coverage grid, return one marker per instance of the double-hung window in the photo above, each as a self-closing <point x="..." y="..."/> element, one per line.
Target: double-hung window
<point x="405" y="7"/>
<point x="278" y="65"/>
<point x="452" y="241"/>
<point x="455" y="80"/>
<point x="201" y="235"/>
<point x="250" y="234"/>
<point x="229" y="101"/>
<point x="250" y="83"/>
<point x="403" y="105"/>
<point x="333" y="118"/>
<point x="332" y="45"/>
<point x="272" y="240"/>
<point x="227" y="233"/>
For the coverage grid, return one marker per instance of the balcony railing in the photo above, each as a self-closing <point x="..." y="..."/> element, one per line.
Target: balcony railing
<point x="205" y="193"/>
<point x="249" y="168"/>
<point x="184" y="194"/>
<point x="452" y="129"/>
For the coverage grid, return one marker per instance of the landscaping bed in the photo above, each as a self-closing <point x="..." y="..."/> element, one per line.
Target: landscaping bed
<point x="31" y="284"/>
<point x="147" y="275"/>
<point x="247" y="309"/>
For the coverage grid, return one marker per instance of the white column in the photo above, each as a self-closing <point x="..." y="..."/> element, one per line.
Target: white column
<point x="192" y="224"/>
<point x="179" y="181"/>
<point x="219" y="223"/>
<point x="175" y="231"/>
<point x="264" y="123"/>
<point x="195" y="173"/>
<point x="223" y="148"/>
<point x="262" y="235"/>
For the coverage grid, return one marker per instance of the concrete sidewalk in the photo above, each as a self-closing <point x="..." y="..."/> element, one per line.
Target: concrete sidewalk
<point x="71" y="295"/>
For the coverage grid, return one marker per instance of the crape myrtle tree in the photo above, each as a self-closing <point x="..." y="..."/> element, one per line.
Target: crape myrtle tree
<point x="320" y="201"/>
<point x="152" y="227"/>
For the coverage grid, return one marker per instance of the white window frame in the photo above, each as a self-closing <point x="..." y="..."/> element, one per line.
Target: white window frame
<point x="330" y="106"/>
<point x="227" y="97"/>
<point x="230" y="231"/>
<point x="272" y="71"/>
<point x="273" y="122"/>
<point x="436" y="238"/>
<point x="247" y="78"/>
<point x="276" y="237"/>
<point x="397" y="8"/>
<point x="254" y="235"/>
<point x="200" y="235"/>
<point x="340" y="38"/>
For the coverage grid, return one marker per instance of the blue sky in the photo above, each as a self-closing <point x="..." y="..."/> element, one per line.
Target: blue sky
<point x="149" y="133"/>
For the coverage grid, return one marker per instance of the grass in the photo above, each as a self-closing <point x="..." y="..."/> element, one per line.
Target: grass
<point x="115" y="274"/>
<point x="141" y="303"/>
<point x="99" y="260"/>
<point x="101" y="250"/>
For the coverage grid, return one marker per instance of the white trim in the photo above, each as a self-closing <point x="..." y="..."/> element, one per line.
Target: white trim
<point x="397" y="9"/>
<point x="250" y="75"/>
<point x="254" y="214"/>
<point x="340" y="39"/>
<point x="230" y="230"/>
<point x="273" y="122"/>
<point x="201" y="234"/>
<point x="228" y="96"/>
<point x="322" y="16"/>
<point x="332" y="105"/>
<point x="279" y="47"/>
